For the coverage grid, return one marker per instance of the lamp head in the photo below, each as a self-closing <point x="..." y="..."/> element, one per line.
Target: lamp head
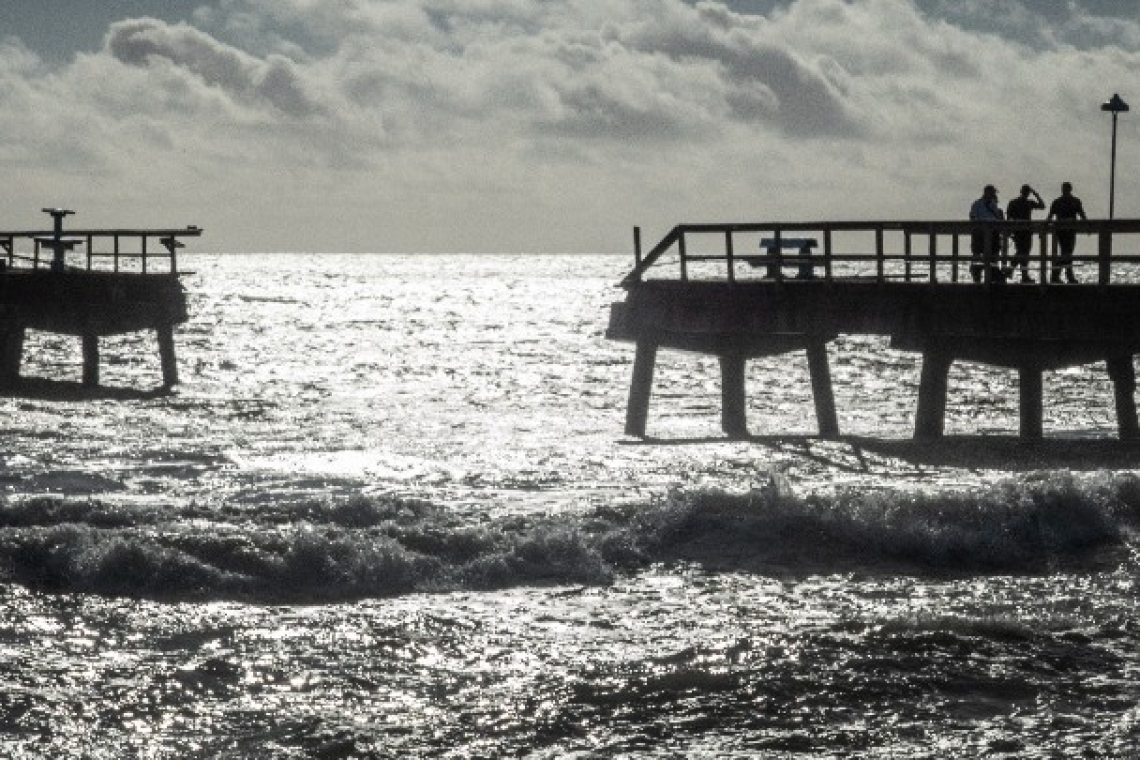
<point x="1115" y="104"/>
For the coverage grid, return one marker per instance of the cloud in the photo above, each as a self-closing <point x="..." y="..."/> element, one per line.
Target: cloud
<point x="760" y="77"/>
<point x="275" y="80"/>
<point x="674" y="73"/>
<point x="511" y="124"/>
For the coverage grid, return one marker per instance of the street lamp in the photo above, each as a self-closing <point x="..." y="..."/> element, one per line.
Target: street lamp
<point x="1116" y="106"/>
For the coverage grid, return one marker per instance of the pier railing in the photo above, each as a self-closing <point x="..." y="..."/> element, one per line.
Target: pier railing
<point x="115" y="250"/>
<point x="917" y="251"/>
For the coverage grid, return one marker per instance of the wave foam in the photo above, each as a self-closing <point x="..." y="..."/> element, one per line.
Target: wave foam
<point x="372" y="546"/>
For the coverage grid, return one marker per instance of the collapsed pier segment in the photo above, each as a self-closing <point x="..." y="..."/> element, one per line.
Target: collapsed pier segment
<point x="90" y="283"/>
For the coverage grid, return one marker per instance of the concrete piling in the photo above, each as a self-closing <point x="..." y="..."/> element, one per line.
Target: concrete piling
<point x="734" y="400"/>
<point x="1032" y="401"/>
<point x="1123" y="373"/>
<point x="90" y="359"/>
<point x="11" y="352"/>
<point x="930" y="420"/>
<point x="637" y="410"/>
<point x="821" y="389"/>
<point x="166" y="354"/>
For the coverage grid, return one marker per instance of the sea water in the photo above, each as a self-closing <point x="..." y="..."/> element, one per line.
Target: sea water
<point x="390" y="512"/>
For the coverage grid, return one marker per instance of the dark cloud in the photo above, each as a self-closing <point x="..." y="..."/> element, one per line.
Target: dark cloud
<point x="763" y="79"/>
<point x="1084" y="24"/>
<point x="150" y="42"/>
<point x="804" y="102"/>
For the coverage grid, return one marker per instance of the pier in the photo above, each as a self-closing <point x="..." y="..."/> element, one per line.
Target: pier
<point x="740" y="291"/>
<point x="90" y="284"/>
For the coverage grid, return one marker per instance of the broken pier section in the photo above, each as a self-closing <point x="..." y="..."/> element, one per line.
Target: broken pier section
<point x="90" y="284"/>
<point x="910" y="281"/>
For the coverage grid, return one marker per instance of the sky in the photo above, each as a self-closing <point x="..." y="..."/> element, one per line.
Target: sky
<point x="446" y="126"/>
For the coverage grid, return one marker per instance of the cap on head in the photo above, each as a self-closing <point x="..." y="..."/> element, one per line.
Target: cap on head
<point x="989" y="190"/>
<point x="1066" y="187"/>
<point x="1026" y="189"/>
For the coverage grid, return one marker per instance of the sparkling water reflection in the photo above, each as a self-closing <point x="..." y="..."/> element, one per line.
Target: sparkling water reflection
<point x="390" y="513"/>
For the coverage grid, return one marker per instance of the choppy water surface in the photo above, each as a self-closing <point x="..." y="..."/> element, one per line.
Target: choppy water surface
<point x="389" y="512"/>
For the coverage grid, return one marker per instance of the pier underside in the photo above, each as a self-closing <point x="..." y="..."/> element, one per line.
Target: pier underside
<point x="1026" y="328"/>
<point x="89" y="305"/>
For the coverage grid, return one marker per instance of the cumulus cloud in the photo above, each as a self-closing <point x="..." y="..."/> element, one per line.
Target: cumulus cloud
<point x="275" y="80"/>
<point x="655" y="70"/>
<point x="446" y="124"/>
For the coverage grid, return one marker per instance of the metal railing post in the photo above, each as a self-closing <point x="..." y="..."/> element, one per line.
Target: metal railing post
<point x="933" y="255"/>
<point x="955" y="245"/>
<point x="880" y="265"/>
<point x="827" y="254"/>
<point x="778" y="252"/>
<point x="1104" y="255"/>
<point x="684" y="257"/>
<point x="729" y="254"/>
<point x="906" y="255"/>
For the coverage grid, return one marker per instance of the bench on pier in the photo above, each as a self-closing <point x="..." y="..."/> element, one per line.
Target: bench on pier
<point x="775" y="259"/>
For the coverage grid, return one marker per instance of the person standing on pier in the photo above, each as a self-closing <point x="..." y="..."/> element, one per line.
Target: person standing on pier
<point x="1021" y="208"/>
<point x="1067" y="207"/>
<point x="985" y="245"/>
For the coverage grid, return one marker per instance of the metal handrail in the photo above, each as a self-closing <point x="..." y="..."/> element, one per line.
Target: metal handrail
<point x="101" y="250"/>
<point x="918" y="263"/>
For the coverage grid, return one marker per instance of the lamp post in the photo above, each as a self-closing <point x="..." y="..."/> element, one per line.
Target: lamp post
<point x="1116" y="106"/>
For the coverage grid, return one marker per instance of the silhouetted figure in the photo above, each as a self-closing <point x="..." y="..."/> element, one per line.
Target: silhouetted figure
<point x="1065" y="208"/>
<point x="984" y="245"/>
<point x="1021" y="208"/>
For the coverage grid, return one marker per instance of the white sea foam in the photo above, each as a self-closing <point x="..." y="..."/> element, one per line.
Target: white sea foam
<point x="384" y="546"/>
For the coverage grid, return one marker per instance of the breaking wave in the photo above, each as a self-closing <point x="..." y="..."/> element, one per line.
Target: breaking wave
<point x="375" y="546"/>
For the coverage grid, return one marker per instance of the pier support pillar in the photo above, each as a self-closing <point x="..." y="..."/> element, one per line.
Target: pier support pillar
<point x="11" y="353"/>
<point x="1031" y="391"/>
<point x="166" y="354"/>
<point x="821" y="390"/>
<point x="733" y="400"/>
<point x="637" y="410"/>
<point x="1123" y="374"/>
<point x="930" y="421"/>
<point x="90" y="359"/>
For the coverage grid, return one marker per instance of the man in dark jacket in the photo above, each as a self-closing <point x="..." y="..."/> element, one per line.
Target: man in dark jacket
<point x="1067" y="207"/>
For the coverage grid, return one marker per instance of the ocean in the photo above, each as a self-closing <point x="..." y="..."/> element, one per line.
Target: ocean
<point x="390" y="512"/>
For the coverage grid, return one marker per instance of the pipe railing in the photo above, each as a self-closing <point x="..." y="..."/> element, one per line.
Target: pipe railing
<point x="115" y="250"/>
<point x="918" y="252"/>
